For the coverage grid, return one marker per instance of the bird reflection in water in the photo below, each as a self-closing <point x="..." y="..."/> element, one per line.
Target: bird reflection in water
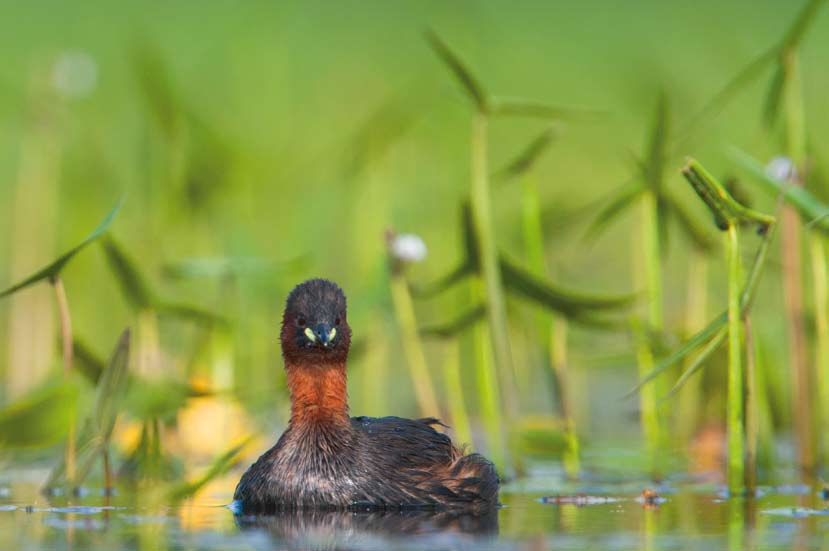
<point x="343" y="529"/>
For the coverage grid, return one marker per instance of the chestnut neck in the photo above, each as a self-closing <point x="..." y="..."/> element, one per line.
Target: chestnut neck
<point x="318" y="394"/>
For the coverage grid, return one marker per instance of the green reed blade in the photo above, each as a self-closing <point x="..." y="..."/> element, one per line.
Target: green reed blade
<point x="724" y="207"/>
<point x="797" y="31"/>
<point x="133" y="285"/>
<point x="699" y="361"/>
<point x="813" y="211"/>
<point x="620" y="200"/>
<point x="774" y="96"/>
<point x="220" y="466"/>
<point x="566" y="301"/>
<point x="444" y="282"/>
<point x="53" y="269"/>
<point x="697" y="233"/>
<point x="657" y="148"/>
<point x="522" y="107"/>
<point x="458" y="325"/>
<point x="39" y="419"/>
<point x="529" y="156"/>
<point x="459" y="69"/>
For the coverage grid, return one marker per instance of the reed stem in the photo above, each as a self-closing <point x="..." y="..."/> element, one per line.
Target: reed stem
<point x="488" y="257"/>
<point x="412" y="347"/>
<point x="736" y="389"/>
<point x="696" y="314"/>
<point x="454" y="389"/>
<point x="653" y="290"/>
<point x="821" y="298"/>
<point x="551" y="327"/>
<point x="488" y="391"/>
<point x="752" y="410"/>
<point x="68" y="352"/>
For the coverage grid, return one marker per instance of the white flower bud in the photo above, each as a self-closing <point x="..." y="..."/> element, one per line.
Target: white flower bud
<point x="75" y="74"/>
<point x="408" y="247"/>
<point x="781" y="168"/>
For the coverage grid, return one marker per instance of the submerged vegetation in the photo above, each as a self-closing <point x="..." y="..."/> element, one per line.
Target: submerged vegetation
<point x="517" y="302"/>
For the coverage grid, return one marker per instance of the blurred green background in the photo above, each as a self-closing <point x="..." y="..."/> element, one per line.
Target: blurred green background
<point x="257" y="144"/>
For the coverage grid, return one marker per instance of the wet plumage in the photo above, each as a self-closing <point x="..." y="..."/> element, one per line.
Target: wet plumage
<point x="328" y="460"/>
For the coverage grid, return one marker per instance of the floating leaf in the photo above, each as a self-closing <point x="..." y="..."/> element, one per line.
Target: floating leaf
<point x="53" y="269"/>
<point x="39" y="419"/>
<point x="459" y="70"/>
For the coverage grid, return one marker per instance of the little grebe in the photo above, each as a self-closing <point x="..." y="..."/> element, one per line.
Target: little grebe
<point x="328" y="460"/>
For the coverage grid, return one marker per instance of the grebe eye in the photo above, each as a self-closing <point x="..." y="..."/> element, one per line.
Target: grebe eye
<point x="337" y="321"/>
<point x="301" y="322"/>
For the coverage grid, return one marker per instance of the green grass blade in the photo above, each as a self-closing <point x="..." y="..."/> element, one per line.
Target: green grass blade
<point x="691" y="227"/>
<point x="456" y="326"/>
<point x="724" y="207"/>
<point x="149" y="400"/>
<point x="39" y="419"/>
<point x="133" y="285"/>
<point x="155" y="86"/>
<point x="522" y="107"/>
<point x="53" y="269"/>
<point x="657" y="152"/>
<point x="221" y="465"/>
<point x="87" y="362"/>
<point x="797" y="31"/>
<point x="812" y="210"/>
<point x="527" y="158"/>
<point x="443" y="283"/>
<point x="189" y="312"/>
<point x="742" y="80"/>
<point x="774" y="97"/>
<point x="619" y="202"/>
<point x="112" y="387"/>
<point x="464" y="76"/>
<point x="698" y="362"/>
<point x="709" y="331"/>
<point x="699" y="339"/>
<point x="544" y="293"/>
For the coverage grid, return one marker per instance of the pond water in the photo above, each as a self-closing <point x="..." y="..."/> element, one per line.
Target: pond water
<point x="538" y="512"/>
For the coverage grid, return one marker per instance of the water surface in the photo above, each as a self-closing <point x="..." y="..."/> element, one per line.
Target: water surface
<point x="539" y="512"/>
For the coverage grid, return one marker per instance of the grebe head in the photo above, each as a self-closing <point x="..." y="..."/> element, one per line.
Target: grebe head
<point x="314" y="326"/>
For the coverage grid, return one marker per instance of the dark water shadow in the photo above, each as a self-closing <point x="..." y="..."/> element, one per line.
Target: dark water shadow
<point x="344" y="529"/>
